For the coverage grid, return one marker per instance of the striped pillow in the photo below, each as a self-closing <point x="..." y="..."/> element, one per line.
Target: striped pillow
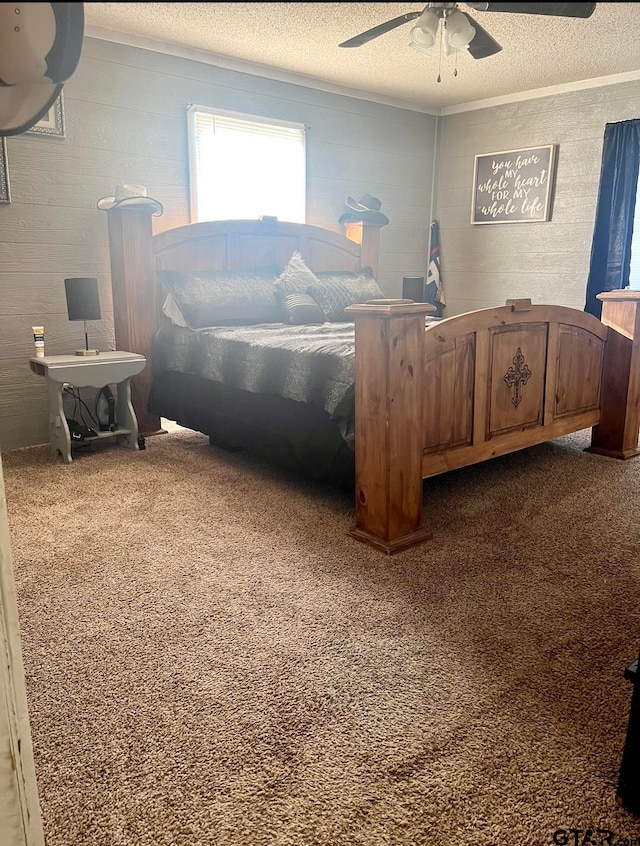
<point x="300" y="308"/>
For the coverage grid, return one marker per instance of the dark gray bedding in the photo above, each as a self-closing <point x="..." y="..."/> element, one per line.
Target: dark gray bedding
<point x="306" y="364"/>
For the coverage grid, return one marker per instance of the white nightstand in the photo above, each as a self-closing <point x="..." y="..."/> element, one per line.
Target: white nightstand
<point x="106" y="368"/>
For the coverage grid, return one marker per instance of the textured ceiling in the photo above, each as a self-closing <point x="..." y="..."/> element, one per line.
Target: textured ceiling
<point x="302" y="38"/>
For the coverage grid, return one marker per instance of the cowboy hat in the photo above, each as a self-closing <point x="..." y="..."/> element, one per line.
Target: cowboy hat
<point x="365" y="216"/>
<point x="40" y="45"/>
<point x="366" y="210"/>
<point x="366" y="203"/>
<point x="130" y="195"/>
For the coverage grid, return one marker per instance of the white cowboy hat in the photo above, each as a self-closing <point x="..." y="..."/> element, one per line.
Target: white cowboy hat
<point x="40" y="45"/>
<point x="130" y="195"/>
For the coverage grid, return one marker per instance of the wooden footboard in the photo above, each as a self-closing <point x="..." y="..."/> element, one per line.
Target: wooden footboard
<point x="476" y="386"/>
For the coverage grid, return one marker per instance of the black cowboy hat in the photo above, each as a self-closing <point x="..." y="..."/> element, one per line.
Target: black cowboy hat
<point x="366" y="203"/>
<point x="40" y="46"/>
<point x="366" y="216"/>
<point x="366" y="209"/>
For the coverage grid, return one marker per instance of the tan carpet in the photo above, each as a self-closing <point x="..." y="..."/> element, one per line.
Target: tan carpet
<point x="211" y="659"/>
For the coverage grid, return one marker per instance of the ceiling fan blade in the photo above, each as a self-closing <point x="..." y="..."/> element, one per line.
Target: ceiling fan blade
<point x="482" y="44"/>
<point x="370" y="34"/>
<point x="565" y="10"/>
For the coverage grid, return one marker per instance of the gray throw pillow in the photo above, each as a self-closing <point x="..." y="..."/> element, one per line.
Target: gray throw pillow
<point x="337" y="289"/>
<point x="333" y="299"/>
<point x="224" y="298"/>
<point x="296" y="277"/>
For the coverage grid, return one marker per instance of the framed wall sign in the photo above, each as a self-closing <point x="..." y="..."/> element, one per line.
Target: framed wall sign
<point x="513" y="186"/>
<point x="52" y="123"/>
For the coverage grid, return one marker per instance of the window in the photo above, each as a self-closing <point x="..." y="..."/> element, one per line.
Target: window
<point x="243" y="167"/>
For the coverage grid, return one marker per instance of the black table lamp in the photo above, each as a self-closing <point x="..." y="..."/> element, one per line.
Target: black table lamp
<point x="83" y="303"/>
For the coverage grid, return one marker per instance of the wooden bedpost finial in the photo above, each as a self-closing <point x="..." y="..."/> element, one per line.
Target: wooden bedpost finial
<point x="519" y="305"/>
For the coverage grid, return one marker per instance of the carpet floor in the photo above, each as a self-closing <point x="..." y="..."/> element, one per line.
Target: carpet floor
<point x="212" y="661"/>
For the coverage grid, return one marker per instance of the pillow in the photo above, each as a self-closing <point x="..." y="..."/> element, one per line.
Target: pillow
<point x="223" y="298"/>
<point x="300" y="308"/>
<point x="296" y="277"/>
<point x="337" y="289"/>
<point x="333" y="299"/>
<point x="170" y="309"/>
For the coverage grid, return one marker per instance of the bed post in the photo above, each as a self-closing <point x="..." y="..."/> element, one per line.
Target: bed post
<point x="368" y="236"/>
<point x="389" y="362"/>
<point x="135" y="315"/>
<point x="617" y="433"/>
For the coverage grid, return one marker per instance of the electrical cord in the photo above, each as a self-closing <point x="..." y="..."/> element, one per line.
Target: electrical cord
<point x="78" y="404"/>
<point x="105" y="395"/>
<point x="68" y="389"/>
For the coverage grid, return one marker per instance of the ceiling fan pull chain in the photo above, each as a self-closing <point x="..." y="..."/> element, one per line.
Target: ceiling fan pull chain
<point x="455" y="63"/>
<point x="441" y="27"/>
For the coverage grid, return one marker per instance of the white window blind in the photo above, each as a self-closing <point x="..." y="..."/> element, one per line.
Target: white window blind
<point x="243" y="167"/>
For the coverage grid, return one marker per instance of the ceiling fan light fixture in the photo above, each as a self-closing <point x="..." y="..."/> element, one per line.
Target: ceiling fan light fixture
<point x="447" y="46"/>
<point x="419" y="48"/>
<point x="425" y="31"/>
<point x="459" y="31"/>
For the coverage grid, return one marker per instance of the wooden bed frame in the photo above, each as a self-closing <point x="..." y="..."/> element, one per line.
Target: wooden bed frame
<point x="428" y="400"/>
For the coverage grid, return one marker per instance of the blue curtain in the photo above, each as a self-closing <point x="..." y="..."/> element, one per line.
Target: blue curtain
<point x="611" y="245"/>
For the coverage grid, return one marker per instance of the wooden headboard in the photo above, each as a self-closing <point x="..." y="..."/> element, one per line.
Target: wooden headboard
<point x="250" y="245"/>
<point x="235" y="245"/>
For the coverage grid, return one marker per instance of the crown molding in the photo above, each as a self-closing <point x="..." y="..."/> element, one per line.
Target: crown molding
<point x="216" y="60"/>
<point x="549" y="91"/>
<point x="197" y="55"/>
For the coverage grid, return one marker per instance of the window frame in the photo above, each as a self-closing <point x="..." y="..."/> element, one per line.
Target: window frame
<point x="192" y="112"/>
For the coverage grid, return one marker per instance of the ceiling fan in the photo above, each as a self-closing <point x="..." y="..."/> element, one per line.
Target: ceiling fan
<point x="459" y="29"/>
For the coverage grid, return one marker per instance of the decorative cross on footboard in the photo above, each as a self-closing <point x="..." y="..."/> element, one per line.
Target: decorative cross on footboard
<point x="517" y="376"/>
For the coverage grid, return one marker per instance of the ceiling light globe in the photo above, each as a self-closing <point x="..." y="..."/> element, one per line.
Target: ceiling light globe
<point x="459" y="31"/>
<point x="424" y="33"/>
<point x="447" y="48"/>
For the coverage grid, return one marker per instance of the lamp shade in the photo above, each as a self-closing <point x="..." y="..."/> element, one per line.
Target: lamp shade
<point x="83" y="301"/>
<point x="413" y="288"/>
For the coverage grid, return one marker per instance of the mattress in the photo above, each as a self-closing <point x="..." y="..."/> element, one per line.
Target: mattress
<point x="311" y="364"/>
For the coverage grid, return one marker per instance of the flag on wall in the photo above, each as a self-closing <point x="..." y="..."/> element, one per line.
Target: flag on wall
<point x="434" y="292"/>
